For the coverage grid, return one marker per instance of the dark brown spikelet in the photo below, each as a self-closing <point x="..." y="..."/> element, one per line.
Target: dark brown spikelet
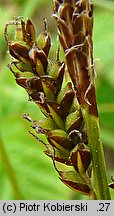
<point x="43" y="80"/>
<point x="75" y="26"/>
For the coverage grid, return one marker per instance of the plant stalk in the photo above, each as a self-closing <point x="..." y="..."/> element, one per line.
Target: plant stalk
<point x="97" y="153"/>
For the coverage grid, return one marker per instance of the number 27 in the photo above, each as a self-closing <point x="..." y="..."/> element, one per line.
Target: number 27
<point x="104" y="206"/>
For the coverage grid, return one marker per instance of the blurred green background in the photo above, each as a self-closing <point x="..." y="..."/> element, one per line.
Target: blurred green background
<point x="25" y="171"/>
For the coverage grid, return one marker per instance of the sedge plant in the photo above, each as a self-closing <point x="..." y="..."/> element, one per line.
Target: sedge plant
<point x="70" y="123"/>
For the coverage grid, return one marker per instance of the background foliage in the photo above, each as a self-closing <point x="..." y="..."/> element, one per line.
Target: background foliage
<point x="25" y="171"/>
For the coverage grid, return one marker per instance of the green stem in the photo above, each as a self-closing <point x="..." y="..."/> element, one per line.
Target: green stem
<point x="97" y="153"/>
<point x="9" y="171"/>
